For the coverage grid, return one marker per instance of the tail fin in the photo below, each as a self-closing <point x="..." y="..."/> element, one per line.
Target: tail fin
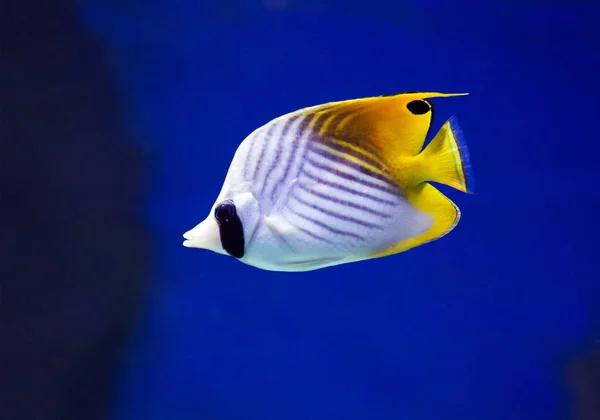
<point x="446" y="158"/>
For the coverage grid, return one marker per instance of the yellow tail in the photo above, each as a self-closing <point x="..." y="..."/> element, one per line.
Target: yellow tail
<point x="446" y="159"/>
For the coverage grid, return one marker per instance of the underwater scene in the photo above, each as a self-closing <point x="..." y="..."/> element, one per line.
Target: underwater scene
<point x="300" y="209"/>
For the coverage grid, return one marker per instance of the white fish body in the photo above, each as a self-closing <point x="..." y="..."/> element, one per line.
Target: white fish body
<point x="306" y="199"/>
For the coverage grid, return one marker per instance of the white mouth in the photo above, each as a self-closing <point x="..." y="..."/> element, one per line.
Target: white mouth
<point x="189" y="242"/>
<point x="205" y="236"/>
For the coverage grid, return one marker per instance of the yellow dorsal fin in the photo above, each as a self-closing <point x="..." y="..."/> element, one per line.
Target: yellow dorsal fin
<point x="394" y="125"/>
<point x="430" y="200"/>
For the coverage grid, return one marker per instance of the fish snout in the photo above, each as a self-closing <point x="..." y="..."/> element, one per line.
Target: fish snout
<point x="205" y="236"/>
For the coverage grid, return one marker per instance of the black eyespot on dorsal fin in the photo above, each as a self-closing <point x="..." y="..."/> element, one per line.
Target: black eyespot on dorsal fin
<point x="418" y="107"/>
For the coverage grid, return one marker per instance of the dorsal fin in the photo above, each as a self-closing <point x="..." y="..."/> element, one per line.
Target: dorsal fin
<point x="392" y="125"/>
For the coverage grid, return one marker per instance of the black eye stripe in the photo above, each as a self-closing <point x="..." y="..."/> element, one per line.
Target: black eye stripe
<point x="231" y="230"/>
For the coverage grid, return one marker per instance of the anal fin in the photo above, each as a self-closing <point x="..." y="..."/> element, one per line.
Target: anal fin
<point x="430" y="200"/>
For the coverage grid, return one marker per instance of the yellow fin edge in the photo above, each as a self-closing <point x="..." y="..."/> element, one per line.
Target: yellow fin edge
<point x="430" y="200"/>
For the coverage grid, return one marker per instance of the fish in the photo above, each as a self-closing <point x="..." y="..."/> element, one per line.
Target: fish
<point x="338" y="183"/>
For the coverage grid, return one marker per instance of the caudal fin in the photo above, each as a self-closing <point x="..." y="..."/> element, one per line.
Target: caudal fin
<point x="446" y="159"/>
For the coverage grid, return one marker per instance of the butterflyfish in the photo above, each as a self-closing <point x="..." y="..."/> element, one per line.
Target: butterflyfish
<point x="337" y="183"/>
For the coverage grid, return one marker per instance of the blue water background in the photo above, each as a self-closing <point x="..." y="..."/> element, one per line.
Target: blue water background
<point x="479" y="325"/>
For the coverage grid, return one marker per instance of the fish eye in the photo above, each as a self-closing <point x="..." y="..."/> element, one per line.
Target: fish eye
<point x="418" y="107"/>
<point x="225" y="211"/>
